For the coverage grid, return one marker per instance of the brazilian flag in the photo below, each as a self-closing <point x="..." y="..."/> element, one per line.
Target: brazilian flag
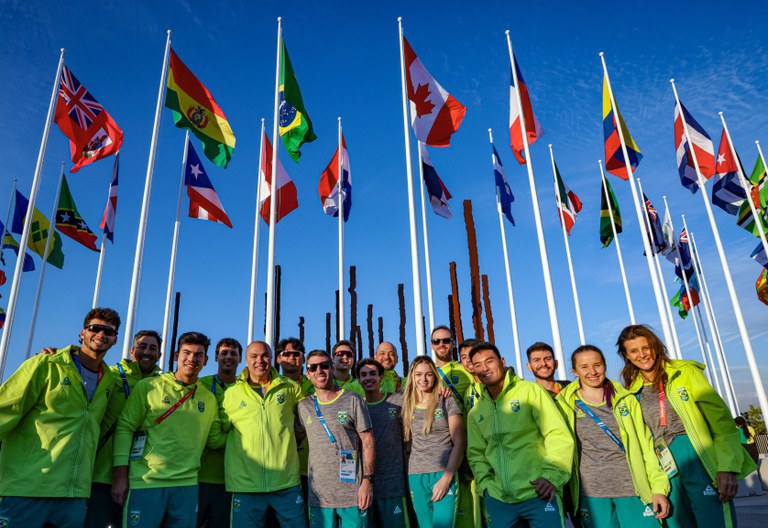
<point x="295" y="125"/>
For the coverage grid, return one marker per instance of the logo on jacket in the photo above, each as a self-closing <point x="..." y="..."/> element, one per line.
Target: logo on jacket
<point x="281" y="397"/>
<point x="242" y="404"/>
<point x="580" y="413"/>
<point x="66" y="381"/>
<point x="623" y="409"/>
<point x="4" y="522"/>
<point x="134" y="517"/>
<point x="514" y="405"/>
<point x="454" y="379"/>
<point x="342" y="417"/>
<point x="648" y="512"/>
<point x="438" y="414"/>
<point x="167" y="400"/>
<point x="683" y="393"/>
<point x="201" y="406"/>
<point x="392" y="412"/>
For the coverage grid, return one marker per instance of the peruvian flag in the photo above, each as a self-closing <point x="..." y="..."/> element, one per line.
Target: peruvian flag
<point x="287" y="196"/>
<point x="204" y="203"/>
<point x="435" y="114"/>
<point x="533" y="130"/>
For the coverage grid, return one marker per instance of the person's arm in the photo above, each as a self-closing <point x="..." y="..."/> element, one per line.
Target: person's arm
<point x="476" y="454"/>
<point x="442" y="486"/>
<point x="130" y="421"/>
<point x="365" y="491"/>
<point x="558" y="444"/>
<point x="657" y="477"/>
<point x="20" y="392"/>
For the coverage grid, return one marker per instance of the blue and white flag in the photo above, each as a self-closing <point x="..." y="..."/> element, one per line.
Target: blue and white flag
<point x="503" y="192"/>
<point x="438" y="193"/>
<point x="759" y="255"/>
<point x="204" y="203"/>
<point x="727" y="192"/>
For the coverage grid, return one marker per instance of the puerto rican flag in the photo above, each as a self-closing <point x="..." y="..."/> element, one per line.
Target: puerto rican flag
<point x="287" y="196"/>
<point x="702" y="147"/>
<point x="435" y="114"/>
<point x="533" y="130"/>
<point x="110" y="210"/>
<point x="204" y="203"/>
<point x="438" y="193"/>
<point x="328" y="188"/>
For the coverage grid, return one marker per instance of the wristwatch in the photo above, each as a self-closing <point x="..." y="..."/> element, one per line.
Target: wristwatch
<point x="369" y="478"/>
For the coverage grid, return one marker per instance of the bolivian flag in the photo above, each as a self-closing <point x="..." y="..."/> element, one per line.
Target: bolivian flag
<point x="194" y="108"/>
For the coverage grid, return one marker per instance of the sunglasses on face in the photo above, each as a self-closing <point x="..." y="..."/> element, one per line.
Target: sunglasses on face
<point x="325" y="365"/>
<point x="290" y="354"/>
<point x="345" y="353"/>
<point x="442" y="340"/>
<point x="96" y="328"/>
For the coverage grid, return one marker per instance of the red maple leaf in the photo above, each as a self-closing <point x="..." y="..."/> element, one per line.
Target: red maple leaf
<point x="419" y="98"/>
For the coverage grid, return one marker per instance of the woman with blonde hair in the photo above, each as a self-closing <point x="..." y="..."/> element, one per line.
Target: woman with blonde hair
<point x="432" y="427"/>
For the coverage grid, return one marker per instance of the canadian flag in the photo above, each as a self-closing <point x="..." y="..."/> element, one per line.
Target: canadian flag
<point x="435" y="114"/>
<point x="287" y="196"/>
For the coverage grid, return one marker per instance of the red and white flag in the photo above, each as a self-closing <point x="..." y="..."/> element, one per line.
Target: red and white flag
<point x="287" y="196"/>
<point x="533" y="130"/>
<point x="328" y="188"/>
<point x="204" y="203"/>
<point x="435" y="114"/>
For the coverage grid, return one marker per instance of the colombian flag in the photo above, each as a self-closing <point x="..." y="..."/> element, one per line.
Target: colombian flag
<point x="194" y="108"/>
<point x="614" y="157"/>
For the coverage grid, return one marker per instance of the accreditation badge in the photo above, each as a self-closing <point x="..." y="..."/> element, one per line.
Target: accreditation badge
<point x="137" y="447"/>
<point x="348" y="466"/>
<point x="665" y="457"/>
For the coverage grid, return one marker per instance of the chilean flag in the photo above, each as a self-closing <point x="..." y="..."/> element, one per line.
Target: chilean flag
<point x="328" y="188"/>
<point x="533" y="130"/>
<point x="287" y="196"/>
<point x="438" y="193"/>
<point x="204" y="203"/>
<point x="702" y="146"/>
<point x="435" y="114"/>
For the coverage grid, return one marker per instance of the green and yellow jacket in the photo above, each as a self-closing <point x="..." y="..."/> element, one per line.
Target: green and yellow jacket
<point x="212" y="462"/>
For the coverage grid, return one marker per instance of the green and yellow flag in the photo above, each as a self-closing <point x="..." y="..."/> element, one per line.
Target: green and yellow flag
<point x="194" y="108"/>
<point x="295" y="125"/>
<point x="606" y="230"/>
<point x="38" y="234"/>
<point x="759" y="196"/>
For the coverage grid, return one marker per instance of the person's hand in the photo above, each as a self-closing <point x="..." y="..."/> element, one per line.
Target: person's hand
<point x="545" y="490"/>
<point x="120" y="485"/>
<point x="445" y="392"/>
<point x="364" y="495"/>
<point x="441" y="487"/>
<point x="47" y="351"/>
<point x="660" y="505"/>
<point x="727" y="485"/>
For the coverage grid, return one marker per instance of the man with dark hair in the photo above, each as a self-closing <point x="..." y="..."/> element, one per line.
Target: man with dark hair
<point x="343" y="366"/>
<point x="470" y="506"/>
<point x="520" y="449"/>
<point x="386" y="355"/>
<point x="452" y="374"/>
<point x="145" y="353"/>
<point x="50" y="414"/>
<point x="338" y="429"/>
<point x="289" y="356"/>
<point x="159" y="440"/>
<point x="213" y="501"/>
<point x="543" y="365"/>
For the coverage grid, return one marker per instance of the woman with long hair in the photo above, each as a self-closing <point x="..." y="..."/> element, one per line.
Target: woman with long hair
<point x="616" y="479"/>
<point x="694" y="437"/>
<point x="432" y="427"/>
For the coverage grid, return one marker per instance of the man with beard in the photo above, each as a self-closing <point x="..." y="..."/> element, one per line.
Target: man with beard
<point x="452" y="374"/>
<point x="543" y="365"/>
<point x="386" y="355"/>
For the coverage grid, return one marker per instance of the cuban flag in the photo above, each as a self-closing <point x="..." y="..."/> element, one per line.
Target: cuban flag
<point x="438" y="193"/>
<point x="110" y="210"/>
<point x="504" y="196"/>
<point x="328" y="188"/>
<point x="727" y="192"/>
<point x="204" y="203"/>
<point x="435" y="114"/>
<point x="533" y="130"/>
<point x="702" y="147"/>
<point x="287" y="195"/>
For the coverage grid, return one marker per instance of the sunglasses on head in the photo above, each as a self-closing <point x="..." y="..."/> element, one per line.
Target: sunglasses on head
<point x="291" y="353"/>
<point x="96" y="328"/>
<point x="325" y="365"/>
<point x="345" y="353"/>
<point x="442" y="340"/>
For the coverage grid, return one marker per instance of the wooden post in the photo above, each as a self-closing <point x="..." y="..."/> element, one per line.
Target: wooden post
<point x="301" y="329"/>
<point x="328" y="332"/>
<point x="403" y="342"/>
<point x="488" y="312"/>
<point x="370" y="330"/>
<point x="451" y="319"/>
<point x="456" y="303"/>
<point x="381" y="329"/>
<point x="474" y="271"/>
<point x="359" y="341"/>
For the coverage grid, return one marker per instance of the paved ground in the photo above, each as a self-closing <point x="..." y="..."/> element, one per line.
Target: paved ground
<point x="752" y="512"/>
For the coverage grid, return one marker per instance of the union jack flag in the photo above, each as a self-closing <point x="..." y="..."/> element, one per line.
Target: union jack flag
<point x="82" y="108"/>
<point x="656" y="233"/>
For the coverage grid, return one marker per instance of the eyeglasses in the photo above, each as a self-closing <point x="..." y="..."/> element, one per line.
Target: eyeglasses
<point x="442" y="340"/>
<point x="291" y="354"/>
<point x="325" y="365"/>
<point x="96" y="328"/>
<point x="345" y="353"/>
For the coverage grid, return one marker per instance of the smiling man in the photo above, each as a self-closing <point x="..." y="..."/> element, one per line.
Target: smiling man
<point x="543" y="365"/>
<point x="452" y="374"/>
<point x="50" y="414"/>
<point x="213" y="502"/>
<point x="160" y="436"/>
<point x="343" y="365"/>
<point x="386" y="355"/>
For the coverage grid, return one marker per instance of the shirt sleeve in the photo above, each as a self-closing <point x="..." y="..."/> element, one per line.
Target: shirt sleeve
<point x="362" y="417"/>
<point x="451" y="406"/>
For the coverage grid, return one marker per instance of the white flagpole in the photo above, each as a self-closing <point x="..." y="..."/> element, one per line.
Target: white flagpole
<point x="269" y="335"/>
<point x="172" y="266"/>
<point x="618" y="247"/>
<point x="753" y="367"/>
<point x="427" y="264"/>
<point x="510" y="293"/>
<point x="99" y="269"/>
<point x="710" y="360"/>
<point x="674" y="345"/>
<point x="418" y="317"/>
<point x="137" y="262"/>
<point x="576" y="305"/>
<point x="51" y="235"/>
<point x="340" y="197"/>
<point x="691" y="311"/>
<point x="746" y="185"/>
<point x="553" y="321"/>
<point x="719" y="349"/>
<point x="657" y="290"/>
<point x="255" y="254"/>
<point x="13" y="296"/>
<point x="8" y="214"/>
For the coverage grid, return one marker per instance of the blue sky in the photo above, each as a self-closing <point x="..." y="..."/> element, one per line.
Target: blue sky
<point x="345" y="55"/>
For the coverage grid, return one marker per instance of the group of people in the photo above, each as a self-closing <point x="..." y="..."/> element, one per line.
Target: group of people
<point x="316" y="438"/>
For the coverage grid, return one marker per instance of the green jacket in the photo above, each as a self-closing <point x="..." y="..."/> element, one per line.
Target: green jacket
<point x="517" y="438"/>
<point x="707" y="420"/>
<point x="48" y="429"/>
<point x="460" y="380"/>
<point x="102" y="472"/>
<point x="212" y="461"/>
<point x="647" y="476"/>
<point x="261" y="454"/>
<point x="171" y="455"/>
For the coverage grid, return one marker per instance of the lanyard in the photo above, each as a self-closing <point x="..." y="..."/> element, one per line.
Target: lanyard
<point x="600" y="424"/>
<point x="76" y="359"/>
<point x="662" y="406"/>
<point x="126" y="388"/>
<point x="450" y="386"/>
<point x="175" y="406"/>
<point x="472" y="397"/>
<point x="213" y="385"/>
<point x="557" y="388"/>
<point x="322" y="421"/>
